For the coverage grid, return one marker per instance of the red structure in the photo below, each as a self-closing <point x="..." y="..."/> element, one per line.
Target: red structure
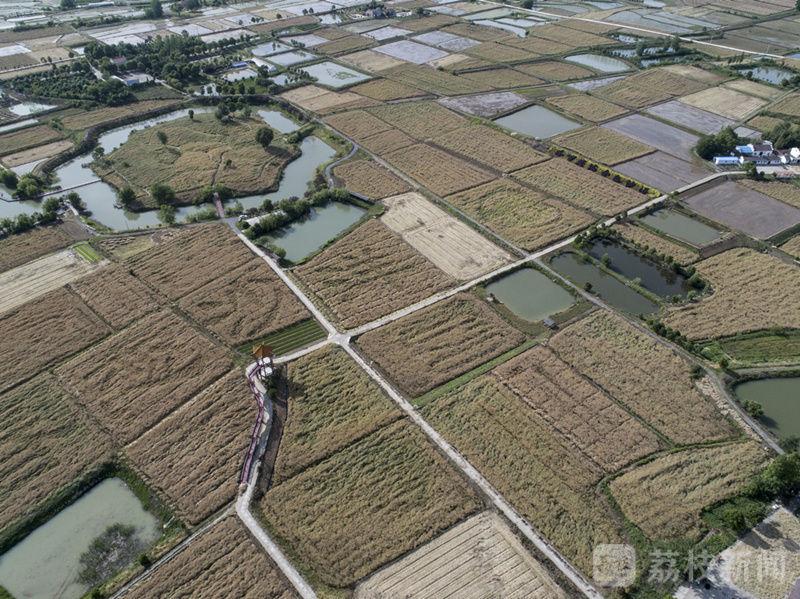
<point x="262" y="369"/>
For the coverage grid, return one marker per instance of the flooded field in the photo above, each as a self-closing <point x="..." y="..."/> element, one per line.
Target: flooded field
<point x="537" y="121"/>
<point x="683" y="227"/>
<point x="598" y="62"/>
<point x="47" y="563"/>
<point x="531" y="295"/>
<point x="780" y="398"/>
<point x="773" y="75"/>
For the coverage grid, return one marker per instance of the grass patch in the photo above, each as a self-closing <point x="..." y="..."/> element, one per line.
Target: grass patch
<point x="763" y="347"/>
<point x="290" y="338"/>
<point x="87" y="252"/>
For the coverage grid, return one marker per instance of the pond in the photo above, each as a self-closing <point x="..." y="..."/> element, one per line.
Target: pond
<point x="531" y="295"/>
<point x="604" y="285"/>
<point x="780" y="399"/>
<point x="18" y="125"/>
<point x="652" y="276"/>
<point x="683" y="227"/>
<point x="537" y="121"/>
<point x="772" y="75"/>
<point x="598" y="62"/>
<point x="334" y="75"/>
<point x="45" y="564"/>
<point x="29" y="108"/>
<point x="278" y="121"/>
<point x="306" y="236"/>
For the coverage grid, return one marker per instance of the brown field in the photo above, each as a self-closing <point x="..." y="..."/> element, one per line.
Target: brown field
<point x="438" y="171"/>
<point x="343" y="45"/>
<point x="502" y="78"/>
<point x="37" y="153"/>
<point x="47" y="444"/>
<point x="245" y="303"/>
<point x="587" y="107"/>
<point x="646" y="239"/>
<point x="420" y="120"/>
<point x="489" y="147"/>
<point x="434" y="81"/>
<point x="539" y="45"/>
<point x="790" y="105"/>
<point x="447" y="242"/>
<point x="603" y="145"/>
<point x="696" y="73"/>
<point x="84" y="120"/>
<point x="785" y="191"/>
<point x="644" y="375"/>
<point x="417" y="351"/>
<point x="29" y="137"/>
<point x="371" y="61"/>
<point x="551" y="70"/>
<point x="370" y="273"/>
<point x="194" y="456"/>
<point x="44" y="331"/>
<point x="527" y="218"/>
<point x="649" y="87"/>
<point x="329" y="518"/>
<point x="499" y="53"/>
<point x="332" y="402"/>
<point x="323" y="101"/>
<point x="764" y="123"/>
<point x="586" y="417"/>
<point x="222" y="563"/>
<point x="752" y="291"/>
<point x="116" y="296"/>
<point x="666" y="496"/>
<point x="480" y="553"/>
<point x="726" y="102"/>
<point x="134" y="379"/>
<point x="386" y="90"/>
<point x="792" y="246"/>
<point x="382" y="143"/>
<point x="574" y="37"/>
<point x="580" y="186"/>
<point x="369" y="179"/>
<point x="357" y="124"/>
<point x="429" y="22"/>
<point x="516" y="451"/>
<point x="476" y="32"/>
<point x="193" y="258"/>
<point x="766" y="92"/>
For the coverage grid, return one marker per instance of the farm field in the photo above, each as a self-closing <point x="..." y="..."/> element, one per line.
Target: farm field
<point x="752" y="291"/>
<point x="16" y="250"/>
<point x="433" y="81"/>
<point x="387" y="141"/>
<point x="649" y="87"/>
<point x="725" y="102"/>
<point x="489" y="147"/>
<point x="587" y="107"/>
<point x="785" y="191"/>
<point x="223" y="563"/>
<point x="647" y="377"/>
<point x="646" y="239"/>
<point x="478" y="554"/>
<point x="134" y="379"/>
<point x="792" y="246"/>
<point x="420" y="120"/>
<point x="690" y="117"/>
<point x="760" y="348"/>
<point x="450" y="244"/>
<point x="288" y="339"/>
<point x="790" y="105"/>
<point x="670" y="140"/>
<point x="528" y="218"/>
<point x="36" y="153"/>
<point x="603" y="145"/>
<point x="665" y="497"/>
<point x="369" y="273"/>
<point x="335" y="530"/>
<point x="27" y="282"/>
<point x="580" y="186"/>
<point x="369" y="179"/>
<point x="357" y="124"/>
<point x="386" y="90"/>
<point x="35" y="335"/>
<point x="486" y="105"/>
<point x="48" y="444"/>
<point x="85" y="119"/>
<point x="29" y="137"/>
<point x="502" y="78"/>
<point x="245" y="303"/>
<point x="552" y="70"/>
<point x="322" y="101"/>
<point x="662" y="171"/>
<point x="332" y="403"/>
<point x="417" y="351"/>
<point x="116" y="296"/>
<point x="194" y="457"/>
<point x="196" y="153"/>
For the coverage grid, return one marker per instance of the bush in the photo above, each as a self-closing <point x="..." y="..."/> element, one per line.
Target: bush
<point x="8" y="178"/>
<point x="753" y="408"/>
<point x="780" y="479"/>
<point x="166" y="214"/>
<point x="162" y="193"/>
<point x="722" y="143"/>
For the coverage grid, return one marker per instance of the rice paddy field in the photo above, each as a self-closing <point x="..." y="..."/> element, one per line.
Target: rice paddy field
<point x="29" y="137"/>
<point x="603" y="145"/>
<point x="369" y="179"/>
<point x="649" y="87"/>
<point x="489" y="147"/>
<point x="587" y="107"/>
<point x="16" y="250"/>
<point x="116" y="296"/>
<point x="647" y="240"/>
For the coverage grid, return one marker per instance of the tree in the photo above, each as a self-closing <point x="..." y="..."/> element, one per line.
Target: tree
<point x="191" y="114"/>
<point x="155" y="10"/>
<point x="162" y="193"/>
<point x="753" y="408"/>
<point x="722" y="143"/>
<point x="166" y="214"/>
<point x="8" y="178"/>
<point x="126" y="196"/>
<point x="162" y="137"/>
<point x="29" y="186"/>
<point x="67" y="4"/>
<point x="264" y="136"/>
<point x="527" y="4"/>
<point x="50" y="208"/>
<point x="76" y="201"/>
<point x="781" y="478"/>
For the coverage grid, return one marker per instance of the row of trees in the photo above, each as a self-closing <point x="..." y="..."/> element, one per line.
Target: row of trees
<point x="291" y="209"/>
<point x="73" y="81"/>
<point x="721" y="144"/>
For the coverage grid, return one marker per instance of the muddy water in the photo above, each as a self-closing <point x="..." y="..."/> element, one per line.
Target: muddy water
<point x="531" y="295"/>
<point x="780" y="398"/>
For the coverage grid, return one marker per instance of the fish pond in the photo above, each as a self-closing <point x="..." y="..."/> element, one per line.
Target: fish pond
<point x="530" y="294"/>
<point x="537" y="121"/>
<point x="682" y="227"/>
<point x="780" y="398"/>
<point x="600" y="63"/>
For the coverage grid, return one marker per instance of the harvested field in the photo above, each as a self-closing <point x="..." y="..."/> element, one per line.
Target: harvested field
<point x="328" y="517"/>
<point x="752" y="291"/>
<point x="44" y="331"/>
<point x="222" y="563"/>
<point x="587" y="107"/>
<point x="357" y="124"/>
<point x="647" y="239"/>
<point x="744" y="209"/>
<point x="587" y="418"/>
<point x="191" y="259"/>
<point x="332" y="403"/>
<point x="574" y="37"/>
<point x="694" y="72"/>
<point x="644" y="375"/>
<point x="344" y="45"/>
<point x="386" y="90"/>
<point x="666" y="496"/>
<point x="726" y="102"/>
<point x="116" y="296"/>
<point x="245" y="303"/>
<point x="29" y="137"/>
<point x="419" y="119"/>
<point x="516" y="451"/>
<point x="428" y="22"/>
<point x="759" y="90"/>
<point x="485" y="105"/>
<point x="502" y="78"/>
<point x="785" y="191"/>
<point x="690" y="117"/>
<point x="27" y="282"/>
<point x="662" y="171"/>
<point x="371" y="61"/>
<point x="387" y="141"/>
<point x="440" y="172"/>
<point x="198" y="152"/>
<point x="84" y="120"/>
<point x="476" y="32"/>
<point x="656" y="134"/>
<point x="649" y="87"/>
<point x="603" y="145"/>
<point x="527" y="218"/>
<point x="417" y="351"/>
<point x="413" y="52"/>
<point x="580" y="186"/>
<point x="764" y="123"/>
<point x="490" y="147"/>
<point x="369" y="179"/>
<point x="134" y="379"/>
<point x="48" y="443"/>
<point x="479" y="555"/>
<point x="450" y="244"/>
<point x="499" y="53"/>
<point x="434" y="81"/>
<point x="551" y="70"/>
<point x="194" y="457"/>
<point x="370" y="273"/>
<point x="790" y="105"/>
<point x="37" y="153"/>
<point x="539" y="46"/>
<point x="792" y="246"/>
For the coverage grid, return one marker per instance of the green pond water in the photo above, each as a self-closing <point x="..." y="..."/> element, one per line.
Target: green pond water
<point x="46" y="563"/>
<point x="780" y="398"/>
<point x="531" y="295"/>
<point x="537" y="121"/>
<point x="678" y="225"/>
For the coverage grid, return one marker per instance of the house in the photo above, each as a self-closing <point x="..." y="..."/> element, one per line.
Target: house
<point x="132" y="79"/>
<point x="726" y="160"/>
<point x="118" y="61"/>
<point x="760" y="149"/>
